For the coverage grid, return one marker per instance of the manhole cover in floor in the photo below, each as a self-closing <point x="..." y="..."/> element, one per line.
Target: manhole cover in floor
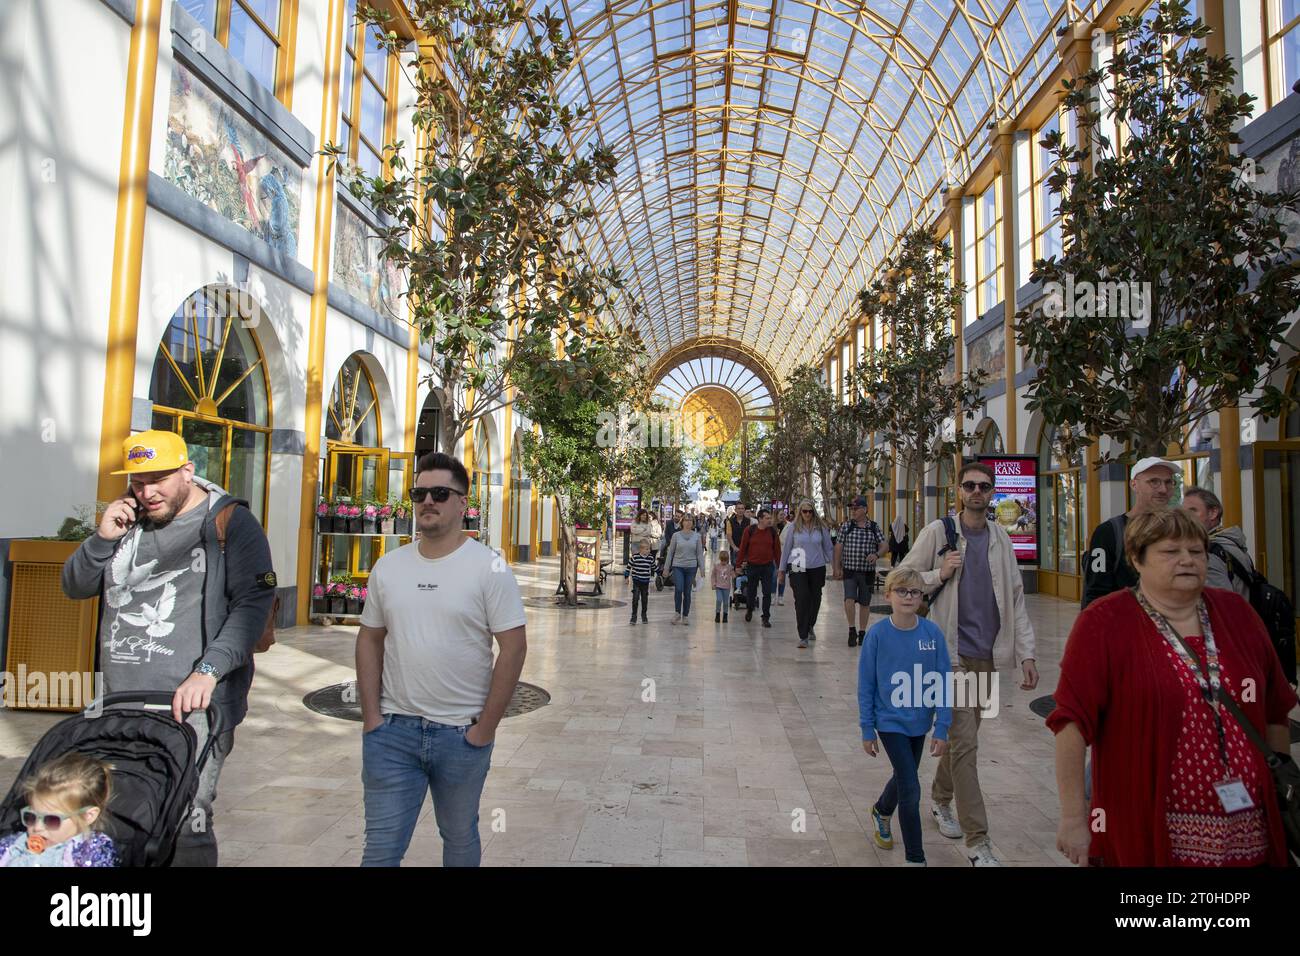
<point x="1043" y="706"/>
<point x="340" y="700"/>
<point x="585" y="603"/>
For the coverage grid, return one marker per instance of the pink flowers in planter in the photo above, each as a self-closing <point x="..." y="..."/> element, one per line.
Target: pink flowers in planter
<point x="318" y="591"/>
<point x="323" y="509"/>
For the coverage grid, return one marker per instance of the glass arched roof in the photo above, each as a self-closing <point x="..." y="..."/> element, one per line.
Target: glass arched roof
<point x="771" y="151"/>
<point x="689" y="377"/>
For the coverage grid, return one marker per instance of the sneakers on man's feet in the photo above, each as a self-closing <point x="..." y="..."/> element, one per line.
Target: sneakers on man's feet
<point x="981" y="854"/>
<point x="947" y="820"/>
<point x="803" y="643"/>
<point x="724" y="618"/>
<point x="644" y="619"/>
<point x="676" y="619"/>
<point x="749" y="615"/>
<point x="812" y="635"/>
<point x="853" y="637"/>
<point x="880" y="831"/>
<point x="766" y="622"/>
<point x="781" y="601"/>
<point x="717" y="617"/>
<point x="862" y="637"/>
<point x="633" y="621"/>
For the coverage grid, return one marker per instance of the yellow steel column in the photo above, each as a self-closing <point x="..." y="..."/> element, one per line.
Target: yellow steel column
<point x="1005" y="143"/>
<point x="953" y="210"/>
<point x="128" y="245"/>
<point x="319" y="308"/>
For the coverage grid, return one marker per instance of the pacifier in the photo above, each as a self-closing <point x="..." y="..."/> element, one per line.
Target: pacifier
<point x="37" y="843"/>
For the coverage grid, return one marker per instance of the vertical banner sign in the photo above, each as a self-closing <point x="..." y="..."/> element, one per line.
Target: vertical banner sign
<point x="1015" y="501"/>
<point x="627" y="502"/>
<point x="588" y="544"/>
<point x="666" y="513"/>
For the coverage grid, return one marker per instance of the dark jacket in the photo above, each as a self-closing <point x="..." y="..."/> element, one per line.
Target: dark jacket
<point x="237" y="595"/>
<point x="1106" y="552"/>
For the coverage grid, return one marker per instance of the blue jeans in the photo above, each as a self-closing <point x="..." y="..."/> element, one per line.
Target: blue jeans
<point x="403" y="758"/>
<point x="723" y="602"/>
<point x="780" y="588"/>
<point x="903" y="792"/>
<point x="683" y="581"/>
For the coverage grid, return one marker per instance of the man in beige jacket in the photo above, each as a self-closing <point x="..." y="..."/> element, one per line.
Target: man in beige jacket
<point x="980" y="607"/>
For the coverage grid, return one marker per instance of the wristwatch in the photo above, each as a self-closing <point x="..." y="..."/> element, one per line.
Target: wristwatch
<point x="207" y="670"/>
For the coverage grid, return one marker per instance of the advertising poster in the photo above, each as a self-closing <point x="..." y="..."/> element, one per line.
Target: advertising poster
<point x="588" y="544"/>
<point x="1015" y="501"/>
<point x="666" y="513"/>
<point x="627" y="501"/>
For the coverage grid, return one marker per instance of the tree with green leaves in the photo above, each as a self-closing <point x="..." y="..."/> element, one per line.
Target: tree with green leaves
<point x="717" y="467"/>
<point x="568" y="397"/>
<point x="485" y="217"/>
<point x="823" y="437"/>
<point x="905" y="394"/>
<point x="1171" y="296"/>
<point x="773" y="472"/>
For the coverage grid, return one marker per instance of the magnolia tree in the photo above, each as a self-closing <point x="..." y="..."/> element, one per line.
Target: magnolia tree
<point x="569" y="397"/>
<point x="1170" y="298"/>
<point x="485" y="218"/>
<point x="904" y="393"/>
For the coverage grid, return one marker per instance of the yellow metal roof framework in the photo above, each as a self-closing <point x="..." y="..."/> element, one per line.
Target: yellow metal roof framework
<point x="771" y="152"/>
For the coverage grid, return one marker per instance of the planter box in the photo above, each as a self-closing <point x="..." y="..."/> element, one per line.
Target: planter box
<point x="369" y="526"/>
<point x="320" y="605"/>
<point x="387" y="525"/>
<point x="402" y="525"/>
<point x="471" y="524"/>
<point x="48" y="632"/>
<point x="325" y="524"/>
<point x="354" y="525"/>
<point x="338" y="606"/>
<point x="354" y="607"/>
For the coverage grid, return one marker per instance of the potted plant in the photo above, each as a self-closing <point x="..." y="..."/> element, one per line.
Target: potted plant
<point x="353" y="599"/>
<point x="354" y="519"/>
<point x="340" y="509"/>
<point x="337" y="591"/>
<point x="386" y="520"/>
<point x="364" y="592"/>
<point x="320" y="604"/>
<point x="370" y="518"/>
<point x="472" y="514"/>
<point x="324" y="519"/>
<point x="402" y="516"/>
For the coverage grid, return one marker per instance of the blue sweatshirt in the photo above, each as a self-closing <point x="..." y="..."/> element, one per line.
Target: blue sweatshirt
<point x="898" y="673"/>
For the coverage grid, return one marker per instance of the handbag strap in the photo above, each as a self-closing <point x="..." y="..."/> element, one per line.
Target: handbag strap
<point x="1238" y="715"/>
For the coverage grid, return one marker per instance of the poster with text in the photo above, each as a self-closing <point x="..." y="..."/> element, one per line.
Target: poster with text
<point x="1015" y="501"/>
<point x="588" y="548"/>
<point x="627" y="502"/>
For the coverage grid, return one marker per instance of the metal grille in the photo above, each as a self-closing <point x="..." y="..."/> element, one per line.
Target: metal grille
<point x="340" y="700"/>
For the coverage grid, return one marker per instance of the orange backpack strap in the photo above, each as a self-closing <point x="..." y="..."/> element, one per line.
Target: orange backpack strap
<point x="223" y="523"/>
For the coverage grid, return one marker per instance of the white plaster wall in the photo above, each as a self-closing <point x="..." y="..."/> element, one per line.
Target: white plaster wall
<point x="62" y="93"/>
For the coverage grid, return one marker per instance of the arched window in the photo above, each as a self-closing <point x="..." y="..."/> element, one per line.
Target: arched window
<point x="428" y="433"/>
<point x="947" y="488"/>
<point x="209" y="386"/>
<point x="990" y="440"/>
<point x="353" y="409"/>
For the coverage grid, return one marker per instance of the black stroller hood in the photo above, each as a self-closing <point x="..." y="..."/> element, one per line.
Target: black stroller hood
<point x="155" y="773"/>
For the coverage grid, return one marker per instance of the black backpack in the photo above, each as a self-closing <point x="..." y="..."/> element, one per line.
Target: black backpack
<point x="1271" y="604"/>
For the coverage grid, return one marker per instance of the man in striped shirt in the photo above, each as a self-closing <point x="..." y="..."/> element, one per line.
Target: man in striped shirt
<point x="642" y="565"/>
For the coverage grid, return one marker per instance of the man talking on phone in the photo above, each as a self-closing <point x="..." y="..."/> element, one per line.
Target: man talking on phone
<point x="179" y="612"/>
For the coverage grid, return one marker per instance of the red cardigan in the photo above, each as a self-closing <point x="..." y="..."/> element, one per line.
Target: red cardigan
<point x="1117" y="686"/>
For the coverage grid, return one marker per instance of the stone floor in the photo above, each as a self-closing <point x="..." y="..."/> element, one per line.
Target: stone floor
<point x="706" y="745"/>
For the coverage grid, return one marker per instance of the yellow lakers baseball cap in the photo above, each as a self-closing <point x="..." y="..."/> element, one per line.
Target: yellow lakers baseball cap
<point x="153" y="451"/>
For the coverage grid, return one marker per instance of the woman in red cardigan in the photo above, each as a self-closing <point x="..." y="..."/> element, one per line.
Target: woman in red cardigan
<point x="1176" y="782"/>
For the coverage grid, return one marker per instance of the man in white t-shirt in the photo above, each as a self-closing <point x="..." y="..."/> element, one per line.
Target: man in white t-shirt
<point x="431" y="698"/>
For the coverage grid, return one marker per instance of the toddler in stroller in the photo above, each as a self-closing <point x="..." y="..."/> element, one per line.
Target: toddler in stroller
<point x="738" y="590"/>
<point x="64" y="804"/>
<point x="155" y="768"/>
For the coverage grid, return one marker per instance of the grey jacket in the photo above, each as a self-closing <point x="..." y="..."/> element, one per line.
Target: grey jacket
<point x="238" y="594"/>
<point x="1219" y="575"/>
<point x="685" y="550"/>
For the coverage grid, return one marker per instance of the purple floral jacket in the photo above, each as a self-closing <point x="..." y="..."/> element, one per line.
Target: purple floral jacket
<point x="87" y="849"/>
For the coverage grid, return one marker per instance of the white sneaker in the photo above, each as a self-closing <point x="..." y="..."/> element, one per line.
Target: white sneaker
<point x="947" y="820"/>
<point x="676" y="618"/>
<point x="781" y="601"/>
<point x="981" y="854"/>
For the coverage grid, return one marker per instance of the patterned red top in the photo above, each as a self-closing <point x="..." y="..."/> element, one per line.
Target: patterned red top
<point x="1201" y="832"/>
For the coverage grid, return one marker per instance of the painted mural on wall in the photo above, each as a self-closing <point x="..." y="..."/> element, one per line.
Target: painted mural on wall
<point x="988" y="354"/>
<point x="220" y="159"/>
<point x="1279" y="169"/>
<point x="357" y="266"/>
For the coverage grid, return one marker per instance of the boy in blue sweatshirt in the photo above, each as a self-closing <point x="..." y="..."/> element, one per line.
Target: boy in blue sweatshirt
<point x="904" y="676"/>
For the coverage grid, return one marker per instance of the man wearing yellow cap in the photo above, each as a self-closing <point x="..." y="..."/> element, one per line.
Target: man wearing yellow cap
<point x="181" y="613"/>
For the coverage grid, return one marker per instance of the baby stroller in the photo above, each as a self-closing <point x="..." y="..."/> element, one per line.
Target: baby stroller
<point x="155" y="773"/>
<point x="738" y="591"/>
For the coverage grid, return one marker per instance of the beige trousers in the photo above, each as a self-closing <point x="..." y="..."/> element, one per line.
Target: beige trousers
<point x="958" y="774"/>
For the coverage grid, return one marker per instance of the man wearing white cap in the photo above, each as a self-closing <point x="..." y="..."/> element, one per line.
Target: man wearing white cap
<point x="1104" y="568"/>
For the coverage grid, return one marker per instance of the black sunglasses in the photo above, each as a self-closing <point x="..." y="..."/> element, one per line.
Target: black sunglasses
<point x="805" y="511"/>
<point x="439" y="493"/>
<point x="972" y="485"/>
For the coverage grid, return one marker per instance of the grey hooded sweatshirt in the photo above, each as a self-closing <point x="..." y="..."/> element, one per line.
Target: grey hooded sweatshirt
<point x="170" y="601"/>
<point x="1220" y="575"/>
